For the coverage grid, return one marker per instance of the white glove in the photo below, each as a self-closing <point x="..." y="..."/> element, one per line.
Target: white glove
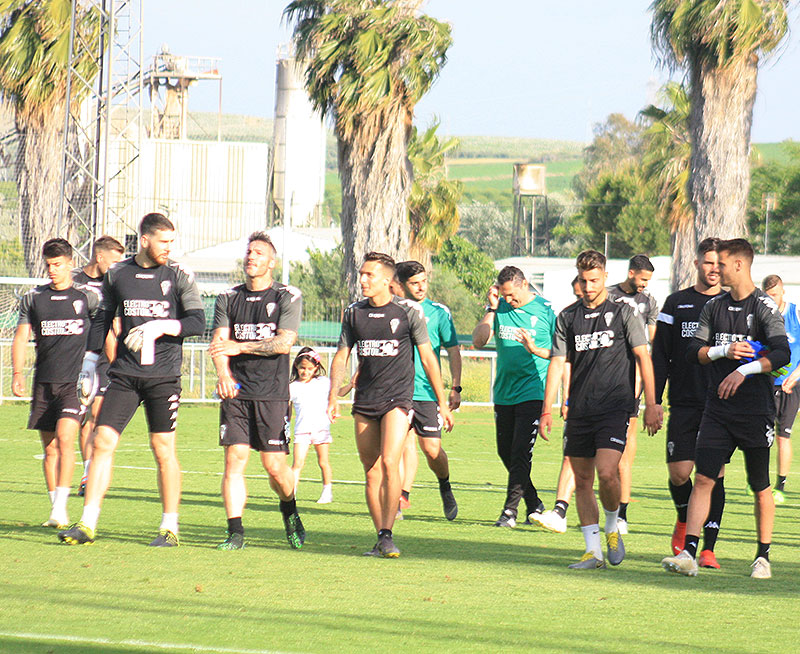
<point x="143" y="337"/>
<point x="88" y="382"/>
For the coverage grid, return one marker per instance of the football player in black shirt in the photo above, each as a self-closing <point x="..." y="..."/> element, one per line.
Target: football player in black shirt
<point x="676" y="325"/>
<point x="255" y="326"/>
<point x="741" y="336"/>
<point x="603" y="340"/>
<point x="58" y="314"/>
<point x="384" y="330"/>
<point x="633" y="291"/>
<point x="106" y="251"/>
<point x="159" y="305"/>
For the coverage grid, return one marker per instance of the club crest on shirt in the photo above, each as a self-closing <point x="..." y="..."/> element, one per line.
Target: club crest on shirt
<point x="165" y="286"/>
<point x="749" y="321"/>
<point x="642" y="307"/>
<point x="608" y="316"/>
<point x="534" y="320"/>
<point x="270" y="308"/>
<point x="394" y="323"/>
<point x="78" y="306"/>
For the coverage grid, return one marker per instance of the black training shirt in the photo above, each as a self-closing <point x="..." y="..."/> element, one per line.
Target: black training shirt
<point x="643" y="303"/>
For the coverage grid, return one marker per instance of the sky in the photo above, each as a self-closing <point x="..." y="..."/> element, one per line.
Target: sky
<point x="524" y="68"/>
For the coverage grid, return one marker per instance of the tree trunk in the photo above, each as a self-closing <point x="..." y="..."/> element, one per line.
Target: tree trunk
<point x="684" y="247"/>
<point x="418" y="252"/>
<point x="376" y="181"/>
<point x="719" y="125"/>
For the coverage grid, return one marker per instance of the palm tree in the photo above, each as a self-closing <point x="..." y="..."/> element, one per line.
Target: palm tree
<point x="369" y="63"/>
<point x="34" y="61"/>
<point x="433" y="203"/>
<point x="665" y="167"/>
<point x="719" y="43"/>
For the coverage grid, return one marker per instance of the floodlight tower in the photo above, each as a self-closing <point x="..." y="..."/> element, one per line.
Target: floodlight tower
<point x="528" y="185"/>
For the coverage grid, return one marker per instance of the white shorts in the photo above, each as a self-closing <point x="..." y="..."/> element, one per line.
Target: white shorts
<point x="313" y="438"/>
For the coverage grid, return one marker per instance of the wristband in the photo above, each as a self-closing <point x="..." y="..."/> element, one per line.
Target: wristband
<point x="457" y="389"/>
<point x="718" y="351"/>
<point x="545" y="413"/>
<point x="751" y="368"/>
<point x="19" y="372"/>
<point x="488" y="309"/>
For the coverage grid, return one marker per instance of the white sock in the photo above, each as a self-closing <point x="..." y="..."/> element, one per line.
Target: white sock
<point x="326" y="488"/>
<point x="90" y="516"/>
<point x="52" y="496"/>
<point x="169" y="521"/>
<point x="611" y="520"/>
<point x="86" y="467"/>
<point x="60" y="500"/>
<point x="591" y="535"/>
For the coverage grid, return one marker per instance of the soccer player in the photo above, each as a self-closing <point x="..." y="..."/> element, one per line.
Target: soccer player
<point x="688" y="382"/>
<point x="786" y="401"/>
<point x="604" y="340"/>
<point x="159" y="305"/>
<point x="426" y="422"/>
<point x="740" y="404"/>
<point x="58" y="314"/>
<point x="106" y="251"/>
<point x="633" y="291"/>
<point x="523" y="323"/>
<point x="384" y="330"/>
<point x="255" y="326"/>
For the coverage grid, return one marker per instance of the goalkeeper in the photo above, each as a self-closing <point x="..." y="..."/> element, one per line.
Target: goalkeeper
<point x="159" y="305"/>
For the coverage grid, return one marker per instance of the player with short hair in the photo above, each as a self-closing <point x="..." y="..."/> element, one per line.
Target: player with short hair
<point x="688" y="382"/>
<point x="604" y="340"/>
<point x="426" y="422"/>
<point x="106" y="251"/>
<point x="158" y="305"/>
<point x="633" y="291"/>
<point x="787" y="401"/>
<point x="58" y="315"/>
<point x="742" y="324"/>
<point x="523" y="323"/>
<point x="384" y="330"/>
<point x="255" y="326"/>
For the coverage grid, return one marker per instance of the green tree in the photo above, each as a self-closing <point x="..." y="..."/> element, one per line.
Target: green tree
<point x="488" y="227"/>
<point x="369" y="63"/>
<point x="475" y="270"/>
<point x="719" y="44"/>
<point x="320" y="280"/>
<point x="447" y="288"/>
<point x="34" y="59"/>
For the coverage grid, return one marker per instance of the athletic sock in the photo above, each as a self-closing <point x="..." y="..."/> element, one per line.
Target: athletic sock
<point x="711" y="528"/>
<point x="90" y="516"/>
<point x="444" y="484"/>
<point x="611" y="521"/>
<point x="690" y="544"/>
<point x="406" y="493"/>
<point x="561" y="508"/>
<point x="591" y="536"/>
<point x="169" y="521"/>
<point x="384" y="533"/>
<point x="763" y="550"/>
<point x="781" y="483"/>
<point x="60" y="498"/>
<point x="235" y="526"/>
<point x="52" y="496"/>
<point x="623" y="510"/>
<point x="680" y="498"/>
<point x="288" y="507"/>
<point x="86" y="467"/>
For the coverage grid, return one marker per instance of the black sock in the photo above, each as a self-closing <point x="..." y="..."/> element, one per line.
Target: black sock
<point x="405" y="493"/>
<point x="690" y="544"/>
<point x="763" y="550"/>
<point x="781" y="483"/>
<point x="384" y="533"/>
<point x="711" y="528"/>
<point x="623" y="511"/>
<point x="288" y="507"/>
<point x="444" y="484"/>
<point x="680" y="497"/>
<point x="235" y="526"/>
<point x="561" y="508"/>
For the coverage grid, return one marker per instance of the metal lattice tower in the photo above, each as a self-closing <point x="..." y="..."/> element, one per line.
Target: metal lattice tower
<point x="103" y="133"/>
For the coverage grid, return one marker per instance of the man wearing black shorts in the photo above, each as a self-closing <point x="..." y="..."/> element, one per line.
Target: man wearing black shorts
<point x="58" y="314"/>
<point x="255" y="326"/>
<point x="633" y="291"/>
<point x="159" y="305"/>
<point x="604" y="340"/>
<point x="384" y="330"/>
<point x="740" y="408"/>
<point x="688" y="382"/>
<point x="106" y="251"/>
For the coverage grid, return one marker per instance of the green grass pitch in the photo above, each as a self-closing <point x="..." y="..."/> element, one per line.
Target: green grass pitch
<point x="458" y="587"/>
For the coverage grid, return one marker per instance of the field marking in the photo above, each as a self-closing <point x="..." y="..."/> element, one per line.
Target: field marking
<point x="137" y="643"/>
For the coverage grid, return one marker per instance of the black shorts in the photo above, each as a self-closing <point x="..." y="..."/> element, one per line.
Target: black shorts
<point x="161" y="397"/>
<point x="377" y="411"/>
<point x="786" y="405"/>
<point x="261" y="424"/>
<point x="102" y="378"/>
<point x="728" y="432"/>
<point x="584" y="436"/>
<point x="682" y="428"/>
<point x="426" y="419"/>
<point x="53" y="401"/>
<point x="637" y="404"/>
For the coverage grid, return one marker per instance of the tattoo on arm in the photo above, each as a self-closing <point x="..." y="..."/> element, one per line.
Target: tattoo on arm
<point x="281" y="343"/>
